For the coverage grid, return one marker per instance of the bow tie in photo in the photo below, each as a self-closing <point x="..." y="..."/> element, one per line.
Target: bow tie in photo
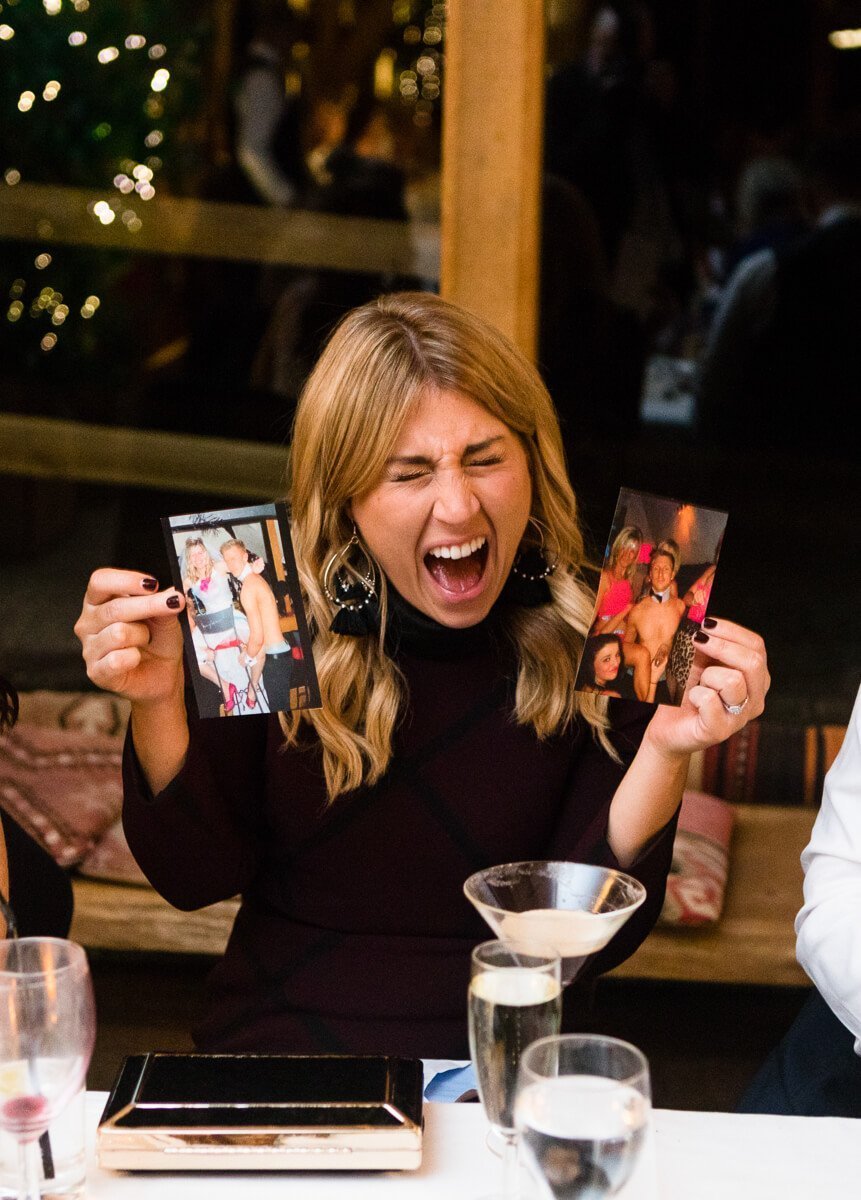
<point x="656" y="595"/>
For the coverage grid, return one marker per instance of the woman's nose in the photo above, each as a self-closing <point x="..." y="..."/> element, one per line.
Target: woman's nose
<point x="455" y="501"/>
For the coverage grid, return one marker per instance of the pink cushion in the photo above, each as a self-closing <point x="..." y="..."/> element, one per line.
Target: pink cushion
<point x="697" y="881"/>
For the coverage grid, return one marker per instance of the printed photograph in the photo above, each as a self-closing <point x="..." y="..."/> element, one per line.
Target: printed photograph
<point x="246" y="639"/>
<point x="657" y="576"/>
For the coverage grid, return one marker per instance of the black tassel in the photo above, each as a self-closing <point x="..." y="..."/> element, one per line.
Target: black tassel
<point x="527" y="584"/>
<point x="528" y="593"/>
<point x="356" y="622"/>
<point x="360" y="615"/>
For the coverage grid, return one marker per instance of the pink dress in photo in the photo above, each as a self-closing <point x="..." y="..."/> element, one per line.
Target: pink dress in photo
<point x="616" y="599"/>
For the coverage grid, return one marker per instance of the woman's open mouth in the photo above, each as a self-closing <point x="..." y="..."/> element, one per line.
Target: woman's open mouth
<point x="458" y="568"/>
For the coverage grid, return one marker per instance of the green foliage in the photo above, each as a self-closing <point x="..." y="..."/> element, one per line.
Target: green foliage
<point x="103" y="111"/>
<point x="69" y="118"/>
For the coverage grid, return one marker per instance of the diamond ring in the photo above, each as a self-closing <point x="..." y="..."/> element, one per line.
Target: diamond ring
<point x="735" y="709"/>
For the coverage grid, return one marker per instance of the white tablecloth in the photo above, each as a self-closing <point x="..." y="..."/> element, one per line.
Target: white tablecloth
<point x="695" y="1156"/>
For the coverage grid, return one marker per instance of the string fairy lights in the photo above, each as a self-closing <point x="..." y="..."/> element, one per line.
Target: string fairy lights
<point x="46" y="32"/>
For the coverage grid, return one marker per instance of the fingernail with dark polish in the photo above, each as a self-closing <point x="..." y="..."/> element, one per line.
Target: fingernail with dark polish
<point x="699" y="636"/>
<point x="149" y="583"/>
<point x="173" y="602"/>
<point x="709" y="622"/>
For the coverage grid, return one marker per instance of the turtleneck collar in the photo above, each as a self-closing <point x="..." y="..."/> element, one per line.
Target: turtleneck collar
<point x="414" y="632"/>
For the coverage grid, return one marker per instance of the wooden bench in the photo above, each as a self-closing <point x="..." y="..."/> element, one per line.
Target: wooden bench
<point x="754" y="942"/>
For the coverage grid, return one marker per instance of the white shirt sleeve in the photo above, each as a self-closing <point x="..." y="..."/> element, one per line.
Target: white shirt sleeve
<point x="258" y="110"/>
<point x="829" y="923"/>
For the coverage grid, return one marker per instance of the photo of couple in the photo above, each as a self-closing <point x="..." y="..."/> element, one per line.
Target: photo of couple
<point x="245" y="633"/>
<point x="658" y="572"/>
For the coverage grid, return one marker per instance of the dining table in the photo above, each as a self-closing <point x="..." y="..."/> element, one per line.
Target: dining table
<point x="689" y="1156"/>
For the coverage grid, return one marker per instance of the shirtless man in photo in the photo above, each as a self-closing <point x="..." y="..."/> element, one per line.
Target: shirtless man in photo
<point x="265" y="632"/>
<point x="654" y="620"/>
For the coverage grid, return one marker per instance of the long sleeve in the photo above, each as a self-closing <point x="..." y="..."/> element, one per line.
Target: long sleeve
<point x="829" y="923"/>
<point x="591" y="787"/>
<point x="198" y="841"/>
<point x="259" y="107"/>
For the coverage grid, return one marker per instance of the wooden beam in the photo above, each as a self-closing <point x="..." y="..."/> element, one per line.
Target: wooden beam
<point x="492" y="161"/>
<point x="206" y="229"/>
<point x="50" y="449"/>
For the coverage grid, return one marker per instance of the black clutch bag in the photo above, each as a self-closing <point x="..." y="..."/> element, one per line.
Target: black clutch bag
<point x="263" y="1112"/>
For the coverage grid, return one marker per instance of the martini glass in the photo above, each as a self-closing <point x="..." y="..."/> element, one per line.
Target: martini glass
<point x="574" y="908"/>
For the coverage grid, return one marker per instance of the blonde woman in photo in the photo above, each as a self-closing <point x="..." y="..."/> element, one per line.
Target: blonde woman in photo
<point x="615" y="600"/>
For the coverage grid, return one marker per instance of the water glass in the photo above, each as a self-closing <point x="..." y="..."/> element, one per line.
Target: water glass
<point x="582" y="1111"/>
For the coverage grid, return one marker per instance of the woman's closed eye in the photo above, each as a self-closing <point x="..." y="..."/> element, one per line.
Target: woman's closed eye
<point x="492" y="461"/>
<point x="423" y="472"/>
<point x="409" y="476"/>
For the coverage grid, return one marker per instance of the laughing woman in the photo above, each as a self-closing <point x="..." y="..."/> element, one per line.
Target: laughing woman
<point x="440" y="557"/>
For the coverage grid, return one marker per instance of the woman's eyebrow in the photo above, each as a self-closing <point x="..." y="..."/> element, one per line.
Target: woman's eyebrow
<point x="422" y="460"/>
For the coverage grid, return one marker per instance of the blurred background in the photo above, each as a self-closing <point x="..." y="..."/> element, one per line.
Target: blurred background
<point x="191" y="195"/>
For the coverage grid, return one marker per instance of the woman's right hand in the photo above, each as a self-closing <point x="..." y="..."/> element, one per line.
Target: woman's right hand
<point x="131" y="639"/>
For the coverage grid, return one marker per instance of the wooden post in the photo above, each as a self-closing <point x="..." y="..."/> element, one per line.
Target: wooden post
<point x="491" y="162"/>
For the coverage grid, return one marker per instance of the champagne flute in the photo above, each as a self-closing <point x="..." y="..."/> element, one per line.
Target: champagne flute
<point x="47" y="1031"/>
<point x="515" y="996"/>
<point x="582" y="1109"/>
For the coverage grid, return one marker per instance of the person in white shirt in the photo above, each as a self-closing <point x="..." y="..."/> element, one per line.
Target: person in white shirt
<point x="816" y="1069"/>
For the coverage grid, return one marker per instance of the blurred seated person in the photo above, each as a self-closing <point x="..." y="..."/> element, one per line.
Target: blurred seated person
<point x="360" y="178"/>
<point x="268" y="133"/>
<point x="589" y="345"/>
<point x="770" y="208"/>
<point x="437" y="542"/>
<point x="816" y="1069"/>
<point x="783" y="359"/>
<point x="38" y="891"/>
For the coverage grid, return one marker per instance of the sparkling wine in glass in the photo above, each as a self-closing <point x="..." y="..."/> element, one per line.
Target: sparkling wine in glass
<point x="515" y="996"/>
<point x="582" y="1110"/>
<point x="47" y="1031"/>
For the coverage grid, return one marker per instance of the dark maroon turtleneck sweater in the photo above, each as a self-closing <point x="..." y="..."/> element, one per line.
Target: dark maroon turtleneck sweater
<point x="354" y="934"/>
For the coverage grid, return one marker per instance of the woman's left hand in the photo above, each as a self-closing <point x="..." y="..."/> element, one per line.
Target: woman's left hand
<point x="729" y="672"/>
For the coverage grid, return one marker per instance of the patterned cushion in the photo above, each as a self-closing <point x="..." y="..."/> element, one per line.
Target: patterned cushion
<point x="60" y="776"/>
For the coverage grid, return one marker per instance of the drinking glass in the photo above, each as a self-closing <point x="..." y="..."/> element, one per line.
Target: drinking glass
<point x="47" y="1030"/>
<point x="515" y="996"/>
<point x="575" y="908"/>
<point x="582" y="1109"/>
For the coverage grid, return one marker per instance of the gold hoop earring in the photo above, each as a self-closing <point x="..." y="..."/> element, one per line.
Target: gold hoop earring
<point x="352" y="592"/>
<point x="531" y="562"/>
<point x="345" y="585"/>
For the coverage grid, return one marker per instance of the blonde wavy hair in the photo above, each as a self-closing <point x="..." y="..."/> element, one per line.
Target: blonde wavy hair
<point x="192" y="574"/>
<point x="628" y="538"/>
<point x="379" y="362"/>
